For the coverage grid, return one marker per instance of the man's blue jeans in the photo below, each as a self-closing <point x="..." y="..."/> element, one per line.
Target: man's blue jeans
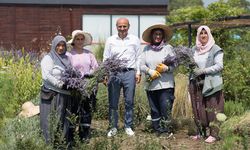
<point x="125" y="80"/>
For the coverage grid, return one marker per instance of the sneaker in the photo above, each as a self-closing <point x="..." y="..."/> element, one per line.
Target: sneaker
<point x="210" y="139"/>
<point x="112" y="132"/>
<point x="129" y="131"/>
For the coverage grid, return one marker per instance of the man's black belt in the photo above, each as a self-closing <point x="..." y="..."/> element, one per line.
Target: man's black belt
<point x="127" y="69"/>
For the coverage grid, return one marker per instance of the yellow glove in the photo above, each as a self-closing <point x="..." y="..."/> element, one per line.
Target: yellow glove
<point x="161" y="68"/>
<point x="153" y="74"/>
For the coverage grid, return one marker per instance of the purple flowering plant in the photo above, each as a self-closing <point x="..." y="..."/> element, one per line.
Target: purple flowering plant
<point x="184" y="56"/>
<point x="87" y="85"/>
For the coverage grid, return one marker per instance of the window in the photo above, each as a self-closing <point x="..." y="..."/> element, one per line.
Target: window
<point x="103" y="26"/>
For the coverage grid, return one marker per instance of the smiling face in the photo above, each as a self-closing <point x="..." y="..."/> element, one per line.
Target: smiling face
<point x="203" y="37"/>
<point x="122" y="26"/>
<point x="60" y="48"/>
<point x="157" y="36"/>
<point x="79" y="41"/>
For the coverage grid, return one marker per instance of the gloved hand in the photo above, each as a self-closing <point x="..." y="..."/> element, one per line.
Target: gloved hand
<point x="198" y="72"/>
<point x="161" y="68"/>
<point x="153" y="74"/>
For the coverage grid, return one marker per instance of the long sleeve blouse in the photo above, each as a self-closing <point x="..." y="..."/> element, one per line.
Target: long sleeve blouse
<point x="150" y="59"/>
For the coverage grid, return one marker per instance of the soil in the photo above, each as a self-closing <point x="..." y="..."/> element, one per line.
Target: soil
<point x="144" y="139"/>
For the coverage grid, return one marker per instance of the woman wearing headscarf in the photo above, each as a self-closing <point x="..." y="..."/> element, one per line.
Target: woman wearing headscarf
<point x="55" y="104"/>
<point x="206" y="85"/>
<point x="160" y="88"/>
<point x="84" y="61"/>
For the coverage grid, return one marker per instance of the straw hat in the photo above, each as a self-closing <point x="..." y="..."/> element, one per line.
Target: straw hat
<point x="146" y="36"/>
<point x="87" y="36"/>
<point x="29" y="110"/>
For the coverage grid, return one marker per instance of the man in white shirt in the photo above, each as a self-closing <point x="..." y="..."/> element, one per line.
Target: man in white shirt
<point x="127" y="47"/>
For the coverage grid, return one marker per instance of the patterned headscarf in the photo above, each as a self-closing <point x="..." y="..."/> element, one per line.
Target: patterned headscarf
<point x="203" y="49"/>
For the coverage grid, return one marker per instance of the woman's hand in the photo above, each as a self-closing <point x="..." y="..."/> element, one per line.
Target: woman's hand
<point x="153" y="74"/>
<point x="161" y="68"/>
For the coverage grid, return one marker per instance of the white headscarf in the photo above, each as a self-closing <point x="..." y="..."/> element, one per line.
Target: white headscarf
<point x="209" y="44"/>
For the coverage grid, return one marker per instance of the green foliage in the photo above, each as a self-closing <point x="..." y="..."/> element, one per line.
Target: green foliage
<point x="240" y="3"/>
<point x="237" y="76"/>
<point x="222" y="9"/>
<point x="199" y="13"/>
<point x="7" y="104"/>
<point x="233" y="108"/>
<point x="98" y="50"/>
<point x="22" y="133"/>
<point x="26" y="79"/>
<point x="102" y="103"/>
<point x="235" y="132"/>
<point x="176" y="4"/>
<point x="194" y="13"/>
<point x="149" y="144"/>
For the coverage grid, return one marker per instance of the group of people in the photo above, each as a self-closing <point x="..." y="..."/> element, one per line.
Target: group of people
<point x="57" y="100"/>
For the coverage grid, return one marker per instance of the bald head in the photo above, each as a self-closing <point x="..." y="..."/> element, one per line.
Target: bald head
<point x="122" y="25"/>
<point x="122" y="20"/>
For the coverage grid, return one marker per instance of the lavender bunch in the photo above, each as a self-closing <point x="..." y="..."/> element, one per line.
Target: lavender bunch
<point x="86" y="86"/>
<point x="71" y="78"/>
<point x="170" y="61"/>
<point x="184" y="57"/>
<point x="74" y="81"/>
<point x="110" y="65"/>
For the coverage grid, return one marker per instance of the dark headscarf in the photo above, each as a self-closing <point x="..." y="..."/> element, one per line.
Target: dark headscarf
<point x="59" y="59"/>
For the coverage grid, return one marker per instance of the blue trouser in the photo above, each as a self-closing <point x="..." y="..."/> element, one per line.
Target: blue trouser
<point x="160" y="102"/>
<point x="125" y="80"/>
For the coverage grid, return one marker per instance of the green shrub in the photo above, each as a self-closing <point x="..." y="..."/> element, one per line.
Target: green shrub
<point x="232" y="108"/>
<point x="26" y="79"/>
<point x="22" y="133"/>
<point x="7" y="103"/>
<point x="98" y="51"/>
<point x="236" y="76"/>
<point x="235" y="132"/>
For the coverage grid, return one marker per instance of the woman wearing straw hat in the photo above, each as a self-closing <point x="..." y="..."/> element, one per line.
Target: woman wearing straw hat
<point x="55" y="99"/>
<point x="160" y="85"/>
<point x="84" y="61"/>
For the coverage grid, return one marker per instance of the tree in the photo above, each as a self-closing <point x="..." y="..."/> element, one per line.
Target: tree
<point x="176" y="4"/>
<point x="234" y="42"/>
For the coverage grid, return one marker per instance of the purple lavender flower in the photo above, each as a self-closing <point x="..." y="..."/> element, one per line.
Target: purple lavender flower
<point x="86" y="86"/>
<point x="170" y="61"/>
<point x="184" y="56"/>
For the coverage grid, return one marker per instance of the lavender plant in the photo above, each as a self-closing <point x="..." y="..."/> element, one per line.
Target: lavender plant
<point x="184" y="56"/>
<point x="170" y="61"/>
<point x="87" y="85"/>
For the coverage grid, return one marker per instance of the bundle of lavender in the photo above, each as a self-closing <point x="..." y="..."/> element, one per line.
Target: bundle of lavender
<point x="170" y="61"/>
<point x="86" y="86"/>
<point x="184" y="56"/>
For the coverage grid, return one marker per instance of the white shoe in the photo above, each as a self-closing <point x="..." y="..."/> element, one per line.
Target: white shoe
<point x="112" y="132"/>
<point x="129" y="131"/>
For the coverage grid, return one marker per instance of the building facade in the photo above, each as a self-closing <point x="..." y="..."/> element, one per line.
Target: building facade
<point x="32" y="24"/>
